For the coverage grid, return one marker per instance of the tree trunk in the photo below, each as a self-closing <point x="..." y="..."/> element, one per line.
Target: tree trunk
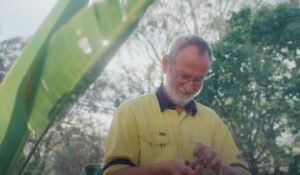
<point x="277" y="171"/>
<point x="253" y="168"/>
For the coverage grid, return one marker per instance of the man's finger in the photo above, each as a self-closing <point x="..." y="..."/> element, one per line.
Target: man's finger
<point x="198" y="149"/>
<point x="184" y="168"/>
<point x="198" y="169"/>
<point x="187" y="171"/>
<point x="214" y="162"/>
<point x="208" y="157"/>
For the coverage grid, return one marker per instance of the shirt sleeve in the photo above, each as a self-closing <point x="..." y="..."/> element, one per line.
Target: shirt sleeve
<point x="121" y="145"/>
<point x="225" y="144"/>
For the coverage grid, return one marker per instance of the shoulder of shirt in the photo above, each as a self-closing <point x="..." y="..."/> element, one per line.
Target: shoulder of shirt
<point x="137" y="101"/>
<point x="209" y="112"/>
<point x="204" y="108"/>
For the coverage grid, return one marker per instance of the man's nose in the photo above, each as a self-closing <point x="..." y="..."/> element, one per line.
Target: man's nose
<point x="189" y="86"/>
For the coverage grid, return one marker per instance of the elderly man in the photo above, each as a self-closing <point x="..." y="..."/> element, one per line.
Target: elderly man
<point x="167" y="132"/>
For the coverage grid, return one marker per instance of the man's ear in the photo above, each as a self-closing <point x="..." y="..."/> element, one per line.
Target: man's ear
<point x="165" y="63"/>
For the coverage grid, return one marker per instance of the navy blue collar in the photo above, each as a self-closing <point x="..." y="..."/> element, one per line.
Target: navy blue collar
<point x="165" y="103"/>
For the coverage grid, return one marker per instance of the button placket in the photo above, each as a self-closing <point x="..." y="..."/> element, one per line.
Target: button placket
<point x="179" y="139"/>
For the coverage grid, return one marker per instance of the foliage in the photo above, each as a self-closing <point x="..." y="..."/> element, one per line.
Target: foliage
<point x="33" y="95"/>
<point x="93" y="170"/>
<point x="15" y="91"/>
<point x="253" y="82"/>
<point x="68" y="147"/>
<point x="136" y="68"/>
<point x="10" y="49"/>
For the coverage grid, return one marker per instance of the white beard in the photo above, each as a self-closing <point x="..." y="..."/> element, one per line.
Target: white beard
<point x="181" y="101"/>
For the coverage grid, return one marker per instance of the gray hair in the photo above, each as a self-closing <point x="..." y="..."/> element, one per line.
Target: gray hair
<point x="183" y="41"/>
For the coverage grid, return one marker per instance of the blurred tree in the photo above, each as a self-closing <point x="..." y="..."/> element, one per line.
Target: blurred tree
<point x="1" y="65"/>
<point x="2" y="75"/>
<point x="72" y="143"/>
<point x="295" y="2"/>
<point x="69" y="146"/>
<point x="254" y="84"/>
<point x="136" y="68"/>
<point x="10" y="49"/>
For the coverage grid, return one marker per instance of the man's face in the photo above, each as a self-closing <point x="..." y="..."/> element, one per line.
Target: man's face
<point x="185" y="76"/>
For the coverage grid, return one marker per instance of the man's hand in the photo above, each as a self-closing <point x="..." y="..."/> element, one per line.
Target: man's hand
<point x="171" y="167"/>
<point x="208" y="157"/>
<point x="177" y="167"/>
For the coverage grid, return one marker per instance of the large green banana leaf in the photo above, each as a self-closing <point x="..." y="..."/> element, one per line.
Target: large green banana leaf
<point x="68" y="52"/>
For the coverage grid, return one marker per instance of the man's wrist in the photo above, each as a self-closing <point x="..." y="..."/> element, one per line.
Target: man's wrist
<point x="226" y="170"/>
<point x="157" y="169"/>
<point x="230" y="170"/>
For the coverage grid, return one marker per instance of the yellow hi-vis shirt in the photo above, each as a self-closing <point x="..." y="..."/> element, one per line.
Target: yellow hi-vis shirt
<point x="142" y="134"/>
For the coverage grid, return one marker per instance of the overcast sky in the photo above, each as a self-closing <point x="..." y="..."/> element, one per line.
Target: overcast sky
<point x="22" y="17"/>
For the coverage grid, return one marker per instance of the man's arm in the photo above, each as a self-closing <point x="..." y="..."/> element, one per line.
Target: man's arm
<point x="231" y="170"/>
<point x="172" y="167"/>
<point x="209" y="157"/>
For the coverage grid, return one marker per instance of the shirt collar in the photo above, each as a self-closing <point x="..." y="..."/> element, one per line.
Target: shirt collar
<point x="165" y="103"/>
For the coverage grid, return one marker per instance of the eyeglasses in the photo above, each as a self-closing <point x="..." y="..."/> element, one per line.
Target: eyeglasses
<point x="184" y="78"/>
